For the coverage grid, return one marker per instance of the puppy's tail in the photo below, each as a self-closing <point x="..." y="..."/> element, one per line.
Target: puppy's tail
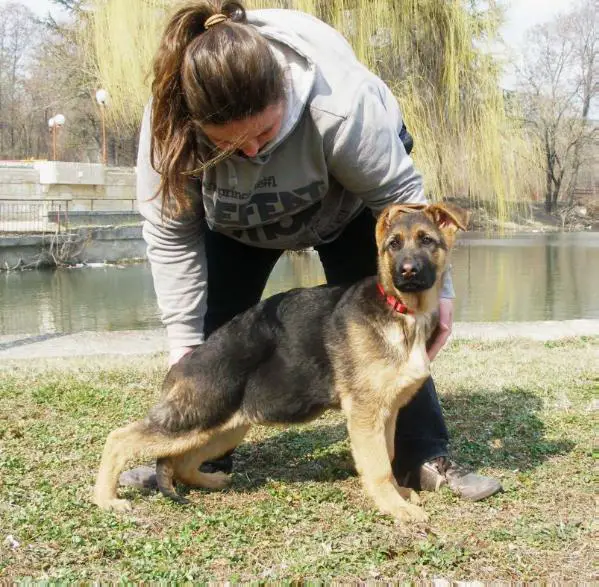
<point x="165" y="478"/>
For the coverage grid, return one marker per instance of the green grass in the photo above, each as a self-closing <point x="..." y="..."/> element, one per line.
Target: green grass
<point x="520" y="411"/>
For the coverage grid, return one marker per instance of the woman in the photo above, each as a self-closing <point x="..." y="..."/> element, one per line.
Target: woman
<point x="266" y="134"/>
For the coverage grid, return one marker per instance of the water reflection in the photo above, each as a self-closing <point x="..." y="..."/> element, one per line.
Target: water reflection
<point x="108" y="298"/>
<point x="528" y="277"/>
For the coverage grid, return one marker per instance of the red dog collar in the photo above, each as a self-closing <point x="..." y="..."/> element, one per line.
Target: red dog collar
<point x="394" y="302"/>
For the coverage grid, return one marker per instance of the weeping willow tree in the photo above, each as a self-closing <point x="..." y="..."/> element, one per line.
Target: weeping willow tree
<point x="434" y="54"/>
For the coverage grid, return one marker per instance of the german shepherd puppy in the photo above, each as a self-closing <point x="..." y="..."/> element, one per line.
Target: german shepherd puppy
<point x="360" y="348"/>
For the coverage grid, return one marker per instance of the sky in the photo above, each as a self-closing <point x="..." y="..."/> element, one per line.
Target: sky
<point x="520" y="16"/>
<point x="41" y="7"/>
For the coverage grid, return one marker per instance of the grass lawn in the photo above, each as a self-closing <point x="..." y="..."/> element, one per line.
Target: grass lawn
<point x="522" y="411"/>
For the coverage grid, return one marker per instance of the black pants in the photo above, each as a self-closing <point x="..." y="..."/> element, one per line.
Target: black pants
<point x="237" y="274"/>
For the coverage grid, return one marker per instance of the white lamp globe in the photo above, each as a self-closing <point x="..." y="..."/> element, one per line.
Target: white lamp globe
<point x="59" y="120"/>
<point x="51" y="122"/>
<point x="102" y="97"/>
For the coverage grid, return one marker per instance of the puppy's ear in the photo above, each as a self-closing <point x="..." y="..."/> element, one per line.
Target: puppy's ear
<point x="448" y="217"/>
<point x="389" y="214"/>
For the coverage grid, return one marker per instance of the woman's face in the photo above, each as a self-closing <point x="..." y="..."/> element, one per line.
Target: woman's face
<point x="248" y="135"/>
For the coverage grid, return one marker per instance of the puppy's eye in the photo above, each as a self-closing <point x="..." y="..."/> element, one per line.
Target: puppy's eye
<point x="395" y="244"/>
<point x="427" y="240"/>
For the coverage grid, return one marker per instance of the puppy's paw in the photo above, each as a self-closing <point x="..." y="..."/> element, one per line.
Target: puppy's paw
<point x="115" y="505"/>
<point x="410" y="513"/>
<point x="409" y="495"/>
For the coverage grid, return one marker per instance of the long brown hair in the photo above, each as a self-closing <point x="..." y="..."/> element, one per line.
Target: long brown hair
<point x="210" y="75"/>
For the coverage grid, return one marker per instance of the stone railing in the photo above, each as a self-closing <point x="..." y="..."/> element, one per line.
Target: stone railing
<point x="86" y="186"/>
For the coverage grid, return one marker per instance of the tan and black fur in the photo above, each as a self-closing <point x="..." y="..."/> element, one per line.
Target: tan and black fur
<point x="292" y="356"/>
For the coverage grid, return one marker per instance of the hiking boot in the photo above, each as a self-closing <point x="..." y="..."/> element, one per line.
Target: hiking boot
<point x="442" y="471"/>
<point x="143" y="477"/>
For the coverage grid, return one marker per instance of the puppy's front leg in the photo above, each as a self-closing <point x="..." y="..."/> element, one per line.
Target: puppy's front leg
<point x="369" y="447"/>
<point x="405" y="492"/>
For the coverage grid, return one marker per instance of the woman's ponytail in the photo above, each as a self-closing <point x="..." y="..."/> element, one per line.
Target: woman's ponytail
<point x="199" y="77"/>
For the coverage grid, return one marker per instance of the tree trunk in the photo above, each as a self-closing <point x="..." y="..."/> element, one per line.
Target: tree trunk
<point x="548" y="193"/>
<point x="548" y="175"/>
<point x="555" y="198"/>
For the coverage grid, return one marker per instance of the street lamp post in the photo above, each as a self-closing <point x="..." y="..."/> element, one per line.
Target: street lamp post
<point x="54" y="124"/>
<point x="51" y="128"/>
<point x="102" y="100"/>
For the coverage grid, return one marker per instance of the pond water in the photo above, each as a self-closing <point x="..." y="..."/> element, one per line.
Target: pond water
<point x="523" y="277"/>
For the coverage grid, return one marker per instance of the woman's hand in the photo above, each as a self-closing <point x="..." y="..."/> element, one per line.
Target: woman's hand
<point x="177" y="354"/>
<point x="443" y="330"/>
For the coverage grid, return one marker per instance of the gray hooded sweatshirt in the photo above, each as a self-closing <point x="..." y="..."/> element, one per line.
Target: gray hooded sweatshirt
<point x="338" y="151"/>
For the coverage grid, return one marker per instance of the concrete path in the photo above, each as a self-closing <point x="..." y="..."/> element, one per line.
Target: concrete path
<point x="144" y="342"/>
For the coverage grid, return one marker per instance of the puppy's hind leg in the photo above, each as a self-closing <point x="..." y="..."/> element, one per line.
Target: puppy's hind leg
<point x="187" y="466"/>
<point x="135" y="442"/>
<point x="165" y="478"/>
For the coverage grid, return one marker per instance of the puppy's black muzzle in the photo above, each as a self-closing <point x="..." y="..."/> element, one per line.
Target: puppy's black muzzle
<point x="414" y="273"/>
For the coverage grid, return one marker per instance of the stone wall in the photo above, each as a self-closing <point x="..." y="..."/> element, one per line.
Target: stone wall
<point x="85" y="186"/>
<point x="36" y="197"/>
<point x="83" y="245"/>
<point x="19" y="181"/>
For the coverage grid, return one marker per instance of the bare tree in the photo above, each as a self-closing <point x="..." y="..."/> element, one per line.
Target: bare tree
<point x="16" y="34"/>
<point x="558" y="84"/>
<point x="42" y="73"/>
<point x="584" y="31"/>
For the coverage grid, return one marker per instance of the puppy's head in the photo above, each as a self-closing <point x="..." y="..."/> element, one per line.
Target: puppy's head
<point x="414" y="242"/>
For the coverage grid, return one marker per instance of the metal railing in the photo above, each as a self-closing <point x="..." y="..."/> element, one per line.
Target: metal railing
<point x="33" y="216"/>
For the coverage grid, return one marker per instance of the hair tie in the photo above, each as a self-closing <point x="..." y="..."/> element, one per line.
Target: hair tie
<point x="215" y="19"/>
